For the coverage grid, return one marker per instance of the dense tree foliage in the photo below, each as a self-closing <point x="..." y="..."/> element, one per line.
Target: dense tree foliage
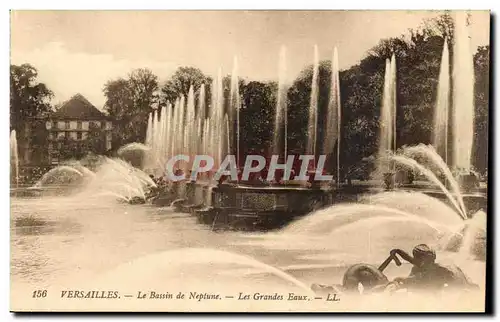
<point x="481" y="101"/>
<point x="28" y="97"/>
<point x="29" y="102"/>
<point x="129" y="102"/>
<point x="179" y="83"/>
<point x="257" y="115"/>
<point x="418" y="58"/>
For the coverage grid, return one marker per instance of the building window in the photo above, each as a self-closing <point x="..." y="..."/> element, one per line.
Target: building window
<point x="79" y="125"/>
<point x="79" y="135"/>
<point x="66" y="125"/>
<point x="54" y="125"/>
<point x="66" y="135"/>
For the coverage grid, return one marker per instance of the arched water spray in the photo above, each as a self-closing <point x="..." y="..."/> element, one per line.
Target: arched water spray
<point x="441" y="111"/>
<point x="55" y="172"/>
<point x="346" y="214"/>
<point x="115" y="177"/>
<point x="432" y="177"/>
<point x="433" y="156"/>
<point x="313" y="107"/>
<point x="474" y="231"/>
<point x="176" y="259"/>
<point x="387" y="219"/>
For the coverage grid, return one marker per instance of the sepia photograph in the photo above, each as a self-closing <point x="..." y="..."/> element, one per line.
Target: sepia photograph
<point x="249" y="161"/>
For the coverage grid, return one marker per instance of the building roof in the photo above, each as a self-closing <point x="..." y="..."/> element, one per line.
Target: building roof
<point x="78" y="107"/>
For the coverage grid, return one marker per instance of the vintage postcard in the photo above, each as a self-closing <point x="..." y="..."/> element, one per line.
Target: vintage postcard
<point x="249" y="161"/>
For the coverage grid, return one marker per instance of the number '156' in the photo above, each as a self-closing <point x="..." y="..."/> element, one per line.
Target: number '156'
<point x="39" y="293"/>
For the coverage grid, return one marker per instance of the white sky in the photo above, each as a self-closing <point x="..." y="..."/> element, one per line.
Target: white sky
<point x="78" y="51"/>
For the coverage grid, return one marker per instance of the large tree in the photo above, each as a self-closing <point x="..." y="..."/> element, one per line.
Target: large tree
<point x="129" y="102"/>
<point x="29" y="101"/>
<point x="179" y="83"/>
<point x="28" y="97"/>
<point x="257" y="117"/>
<point x="119" y="105"/>
<point x="144" y="86"/>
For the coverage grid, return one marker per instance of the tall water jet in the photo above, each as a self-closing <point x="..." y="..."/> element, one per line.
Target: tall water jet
<point x="14" y="157"/>
<point x="219" y="117"/>
<point x="385" y="137"/>
<point x="149" y="130"/>
<point x="161" y="135"/>
<point x="213" y="120"/>
<point x="182" y="125"/>
<point x="168" y="131"/>
<point x="313" y="107"/>
<point x="202" y="115"/>
<point x="332" y="133"/>
<point x="387" y="117"/>
<point x="206" y="137"/>
<point x="394" y="101"/>
<point x="281" y="117"/>
<point x="199" y="137"/>
<point x="190" y="129"/>
<point x="148" y="142"/>
<point x="463" y="95"/>
<point x="441" y="111"/>
<point x="155" y="134"/>
<point x="235" y="109"/>
<point x="175" y="128"/>
<point x="226" y="130"/>
<point x="201" y="103"/>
